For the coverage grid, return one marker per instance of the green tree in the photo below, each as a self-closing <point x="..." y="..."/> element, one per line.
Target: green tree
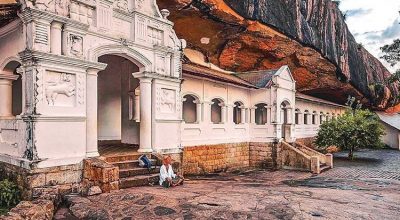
<point x="351" y="131"/>
<point x="392" y="55"/>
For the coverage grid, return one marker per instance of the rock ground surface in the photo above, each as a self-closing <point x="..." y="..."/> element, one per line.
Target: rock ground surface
<point x="367" y="188"/>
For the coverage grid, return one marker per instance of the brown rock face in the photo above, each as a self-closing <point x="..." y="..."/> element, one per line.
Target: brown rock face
<point x="309" y="36"/>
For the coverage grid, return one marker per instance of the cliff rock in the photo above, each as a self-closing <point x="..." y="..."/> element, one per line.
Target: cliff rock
<point x="310" y="36"/>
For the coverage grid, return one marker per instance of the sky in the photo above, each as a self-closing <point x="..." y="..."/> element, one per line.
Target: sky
<point x="373" y="23"/>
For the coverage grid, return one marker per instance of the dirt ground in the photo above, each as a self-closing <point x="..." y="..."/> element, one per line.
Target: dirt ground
<point x="365" y="188"/>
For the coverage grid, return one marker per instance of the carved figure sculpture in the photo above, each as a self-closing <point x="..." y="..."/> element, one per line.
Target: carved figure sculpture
<point x="168" y="100"/>
<point x="64" y="86"/>
<point x="122" y="4"/>
<point x="76" y="45"/>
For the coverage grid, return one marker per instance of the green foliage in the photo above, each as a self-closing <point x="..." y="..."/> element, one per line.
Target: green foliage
<point x="9" y="194"/>
<point x="351" y="131"/>
<point x="392" y="52"/>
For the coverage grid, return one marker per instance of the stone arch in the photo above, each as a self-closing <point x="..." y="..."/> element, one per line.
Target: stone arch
<point x="129" y="53"/>
<point x="190" y="108"/>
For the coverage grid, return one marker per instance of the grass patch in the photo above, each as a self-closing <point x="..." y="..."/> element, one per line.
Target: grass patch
<point x="3" y="210"/>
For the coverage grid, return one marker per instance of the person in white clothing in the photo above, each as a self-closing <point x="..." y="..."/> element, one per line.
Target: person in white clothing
<point x="167" y="176"/>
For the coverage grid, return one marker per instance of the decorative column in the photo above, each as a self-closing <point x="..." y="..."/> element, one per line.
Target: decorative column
<point x="207" y="111"/>
<point x="252" y="115"/>
<point x="243" y="115"/>
<point x="198" y="112"/>
<point x="55" y="37"/>
<point x="269" y="114"/>
<point x="223" y="113"/>
<point x="145" y="115"/>
<point x="6" y="81"/>
<point x="229" y="109"/>
<point x="91" y="113"/>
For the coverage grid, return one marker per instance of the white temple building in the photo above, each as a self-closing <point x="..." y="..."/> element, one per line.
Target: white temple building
<point x="75" y="74"/>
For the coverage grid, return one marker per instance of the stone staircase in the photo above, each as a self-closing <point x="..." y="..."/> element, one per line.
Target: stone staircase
<point x="300" y="157"/>
<point x="131" y="174"/>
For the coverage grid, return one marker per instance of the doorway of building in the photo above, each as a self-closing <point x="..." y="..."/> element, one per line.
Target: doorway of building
<point x="117" y="129"/>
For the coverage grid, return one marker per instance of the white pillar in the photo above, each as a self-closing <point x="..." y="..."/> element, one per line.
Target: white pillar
<point x="252" y="115"/>
<point x="55" y="37"/>
<point x="6" y="94"/>
<point x="229" y="110"/>
<point x="243" y="115"/>
<point x="91" y="113"/>
<point x="145" y="115"/>
<point x="198" y="112"/>
<point x="223" y="114"/>
<point x="207" y="111"/>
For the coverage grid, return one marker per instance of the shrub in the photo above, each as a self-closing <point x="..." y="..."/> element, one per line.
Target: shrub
<point x="9" y="194"/>
<point x="351" y="131"/>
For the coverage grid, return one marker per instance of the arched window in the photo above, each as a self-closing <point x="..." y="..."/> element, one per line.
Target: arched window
<point x="237" y="113"/>
<point x="216" y="111"/>
<point x="327" y="117"/>
<point x="297" y="116"/>
<point x="333" y="116"/>
<point x="189" y="109"/>
<point x="321" y="117"/>
<point x="306" y="113"/>
<point x="314" y="118"/>
<point x="261" y="114"/>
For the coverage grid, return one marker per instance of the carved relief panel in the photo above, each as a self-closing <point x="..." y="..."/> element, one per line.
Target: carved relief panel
<point x="55" y="6"/>
<point x="74" y="45"/>
<point x="166" y="100"/>
<point x="60" y="89"/>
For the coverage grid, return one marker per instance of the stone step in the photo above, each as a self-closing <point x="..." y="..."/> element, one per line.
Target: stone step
<point x="141" y="180"/>
<point x="123" y="173"/>
<point x="130" y="164"/>
<point x="121" y="158"/>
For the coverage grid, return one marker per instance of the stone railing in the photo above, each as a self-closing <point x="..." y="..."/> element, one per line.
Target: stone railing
<point x="323" y="158"/>
<point x="293" y="158"/>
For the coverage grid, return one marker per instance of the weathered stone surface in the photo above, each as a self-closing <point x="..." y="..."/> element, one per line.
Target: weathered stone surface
<point x="258" y="195"/>
<point x="32" y="210"/>
<point x="94" y="190"/>
<point x="309" y="36"/>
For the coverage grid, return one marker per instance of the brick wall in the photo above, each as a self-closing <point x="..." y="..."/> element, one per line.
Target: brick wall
<point x="215" y="158"/>
<point x="264" y="155"/>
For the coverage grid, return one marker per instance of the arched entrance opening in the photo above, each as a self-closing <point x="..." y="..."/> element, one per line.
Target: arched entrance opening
<point x="10" y="90"/>
<point x="118" y="121"/>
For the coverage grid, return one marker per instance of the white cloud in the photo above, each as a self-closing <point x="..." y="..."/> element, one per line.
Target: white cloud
<point x="373" y="23"/>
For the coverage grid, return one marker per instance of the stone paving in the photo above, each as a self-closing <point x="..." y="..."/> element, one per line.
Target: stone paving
<point x="350" y="191"/>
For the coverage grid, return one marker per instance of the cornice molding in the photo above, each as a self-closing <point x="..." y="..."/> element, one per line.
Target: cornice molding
<point x="37" y="56"/>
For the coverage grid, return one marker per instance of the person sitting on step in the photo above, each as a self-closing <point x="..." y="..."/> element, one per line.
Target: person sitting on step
<point x="167" y="176"/>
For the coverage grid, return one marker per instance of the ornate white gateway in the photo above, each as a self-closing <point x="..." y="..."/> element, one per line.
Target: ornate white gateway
<point x="57" y="56"/>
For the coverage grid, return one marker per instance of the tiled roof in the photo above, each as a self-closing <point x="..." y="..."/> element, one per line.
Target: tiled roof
<point x="261" y="79"/>
<point x="314" y="99"/>
<point x="390" y="119"/>
<point x="202" y="71"/>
